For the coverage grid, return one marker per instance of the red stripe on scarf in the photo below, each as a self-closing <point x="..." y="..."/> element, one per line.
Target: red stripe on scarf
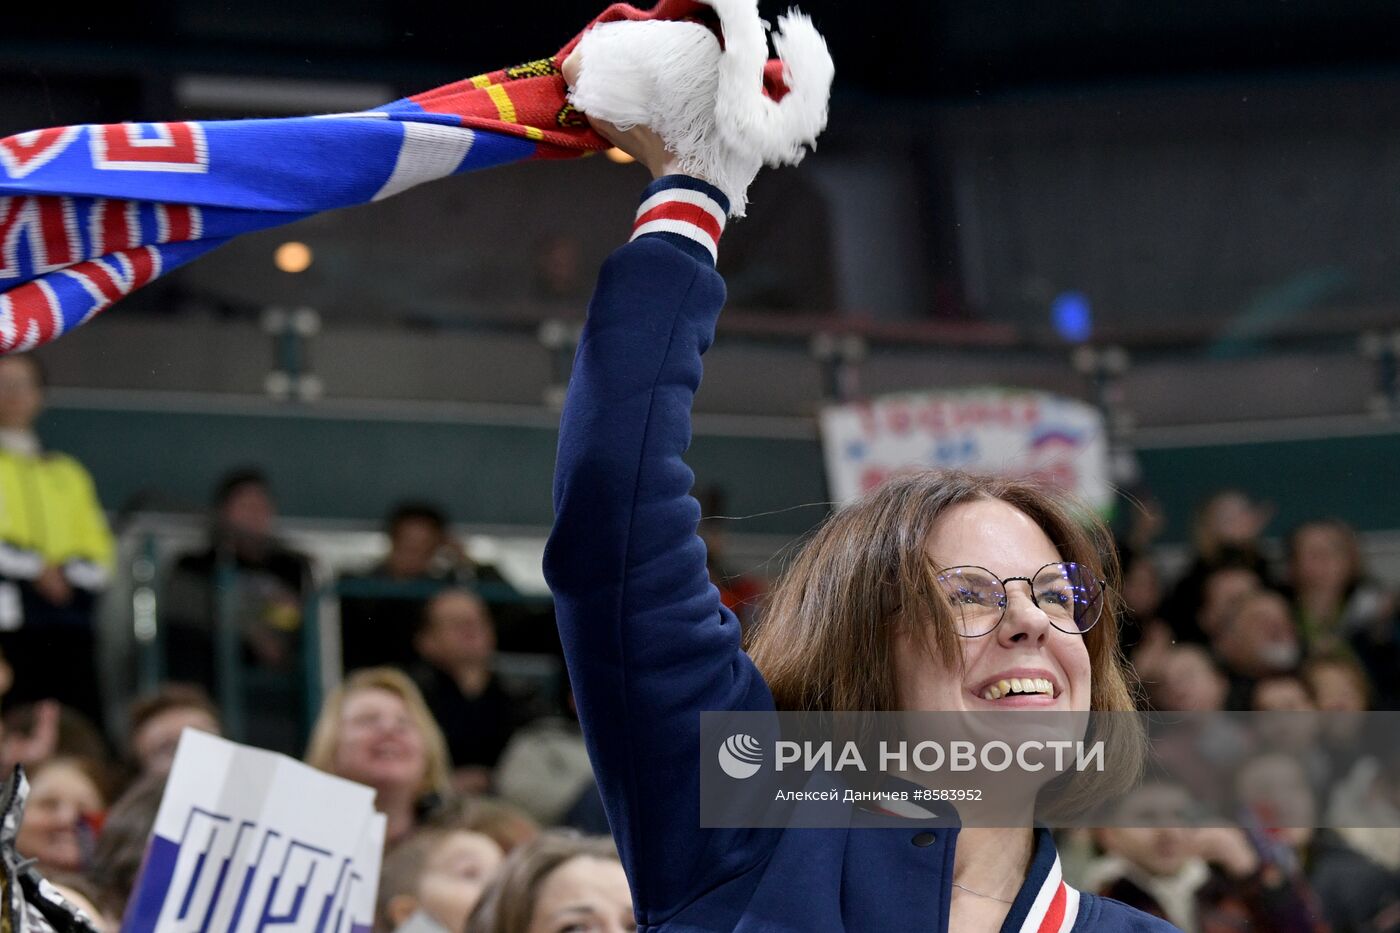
<point x="1055" y="914"/>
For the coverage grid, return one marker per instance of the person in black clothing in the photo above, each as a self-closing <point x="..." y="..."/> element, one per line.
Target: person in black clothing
<point x="248" y="579"/>
<point x="1225" y="533"/>
<point x="456" y="644"/>
<point x="381" y="608"/>
<point x="377" y="624"/>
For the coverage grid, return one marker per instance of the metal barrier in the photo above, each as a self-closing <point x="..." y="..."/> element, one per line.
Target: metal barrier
<point x="136" y="623"/>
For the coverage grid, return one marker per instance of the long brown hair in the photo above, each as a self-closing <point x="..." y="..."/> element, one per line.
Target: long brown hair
<point x="824" y="641"/>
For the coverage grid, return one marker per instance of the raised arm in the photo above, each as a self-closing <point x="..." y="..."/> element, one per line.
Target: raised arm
<point x="648" y="643"/>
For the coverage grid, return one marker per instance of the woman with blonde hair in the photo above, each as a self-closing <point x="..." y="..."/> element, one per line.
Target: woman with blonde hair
<point x="375" y="729"/>
<point x="938" y="591"/>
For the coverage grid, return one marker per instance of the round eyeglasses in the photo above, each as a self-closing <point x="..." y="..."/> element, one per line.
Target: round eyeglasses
<point x="1069" y="595"/>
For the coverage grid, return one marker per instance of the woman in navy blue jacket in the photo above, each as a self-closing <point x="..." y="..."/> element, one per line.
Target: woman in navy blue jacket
<point x="856" y="623"/>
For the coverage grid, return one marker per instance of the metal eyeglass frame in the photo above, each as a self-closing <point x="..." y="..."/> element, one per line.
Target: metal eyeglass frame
<point x="1030" y="586"/>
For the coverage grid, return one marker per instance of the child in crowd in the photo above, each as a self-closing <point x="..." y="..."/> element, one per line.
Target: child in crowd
<point x="62" y="816"/>
<point x="435" y="878"/>
<point x="157" y="721"/>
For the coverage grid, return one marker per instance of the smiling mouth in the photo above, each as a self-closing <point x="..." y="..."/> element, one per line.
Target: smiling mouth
<point x="393" y="752"/>
<point x="1018" y="686"/>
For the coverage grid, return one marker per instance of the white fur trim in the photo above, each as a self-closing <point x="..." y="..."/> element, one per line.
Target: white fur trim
<point x="707" y="105"/>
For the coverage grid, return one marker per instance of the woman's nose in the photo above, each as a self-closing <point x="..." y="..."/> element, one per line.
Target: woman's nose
<point x="392" y="725"/>
<point x="1023" y="617"/>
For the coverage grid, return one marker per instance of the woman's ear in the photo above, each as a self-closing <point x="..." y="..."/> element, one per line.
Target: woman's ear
<point x="401" y="907"/>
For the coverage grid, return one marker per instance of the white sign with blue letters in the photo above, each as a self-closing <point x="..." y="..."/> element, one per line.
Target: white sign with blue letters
<point x="248" y="839"/>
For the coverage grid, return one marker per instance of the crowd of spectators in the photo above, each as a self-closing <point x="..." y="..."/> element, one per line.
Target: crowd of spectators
<point x="482" y="784"/>
<point x="453" y="861"/>
<point x="1241" y="632"/>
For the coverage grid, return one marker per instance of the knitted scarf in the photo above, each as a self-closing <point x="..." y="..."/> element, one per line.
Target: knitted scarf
<point x="89" y="213"/>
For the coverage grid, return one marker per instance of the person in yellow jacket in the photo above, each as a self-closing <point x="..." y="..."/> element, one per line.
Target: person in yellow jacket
<point x="56" y="552"/>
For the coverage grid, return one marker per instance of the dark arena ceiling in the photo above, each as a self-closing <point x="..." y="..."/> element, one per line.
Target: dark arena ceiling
<point x="940" y="49"/>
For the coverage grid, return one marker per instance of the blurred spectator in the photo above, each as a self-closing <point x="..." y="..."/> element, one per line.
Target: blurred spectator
<point x="39" y="731"/>
<point x="558" y="268"/>
<point x="1142" y="598"/>
<point x="1338" y="687"/>
<point x="1294" y="728"/>
<point x="157" y="721"/>
<point x="63" y="814"/>
<point x="1337" y="607"/>
<point x="30" y="735"/>
<point x="1365" y="803"/>
<point x="1281" y="693"/>
<point x="545" y="768"/>
<point x="375" y="729"/>
<point x="1191" y="681"/>
<point x="247" y="579"/>
<point x="1352" y="893"/>
<point x="1229" y="520"/>
<point x="1225" y="534"/>
<point x="56" y="553"/>
<point x="1221" y="588"/>
<point x="438" y="874"/>
<point x="378" y="628"/>
<point x="503" y="821"/>
<point x="557" y="882"/>
<point x="1203" y="880"/>
<point x="1144" y="637"/>
<point x="1197" y="749"/>
<point x="1257" y="639"/>
<point x="457" y="645"/>
<point x="121" y="848"/>
<point x="1338" y="684"/>
<point x="1331" y="596"/>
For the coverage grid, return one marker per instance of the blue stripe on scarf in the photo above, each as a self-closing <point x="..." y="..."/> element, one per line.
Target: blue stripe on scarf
<point x="235" y="176"/>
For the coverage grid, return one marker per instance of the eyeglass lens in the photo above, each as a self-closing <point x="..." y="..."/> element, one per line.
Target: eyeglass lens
<point x="1069" y="595"/>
